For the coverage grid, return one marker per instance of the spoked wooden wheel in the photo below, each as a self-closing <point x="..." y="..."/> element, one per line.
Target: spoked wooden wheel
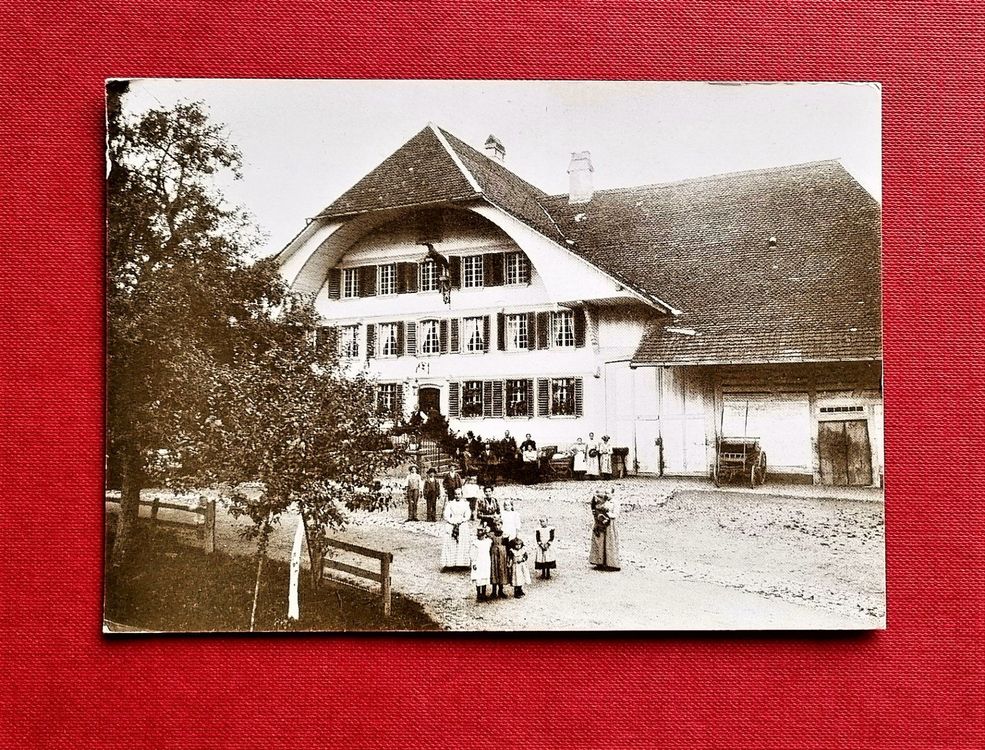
<point x="762" y="469"/>
<point x="714" y="476"/>
<point x="753" y="473"/>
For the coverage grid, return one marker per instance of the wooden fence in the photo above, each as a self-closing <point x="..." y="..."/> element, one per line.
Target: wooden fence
<point x="382" y="578"/>
<point x="204" y="526"/>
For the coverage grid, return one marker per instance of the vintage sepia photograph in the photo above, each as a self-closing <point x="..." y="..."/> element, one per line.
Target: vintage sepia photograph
<point x="531" y="356"/>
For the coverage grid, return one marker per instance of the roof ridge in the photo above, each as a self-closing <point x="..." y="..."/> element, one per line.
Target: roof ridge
<point x="440" y="135"/>
<point x="717" y="176"/>
<point x="496" y="164"/>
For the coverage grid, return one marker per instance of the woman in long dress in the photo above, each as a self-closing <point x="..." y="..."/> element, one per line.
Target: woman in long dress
<point x="605" y="457"/>
<point x="604" y="553"/>
<point x="593" y="470"/>
<point x="579" y="459"/>
<point x="479" y="555"/>
<point x="544" y="560"/>
<point x="458" y="533"/>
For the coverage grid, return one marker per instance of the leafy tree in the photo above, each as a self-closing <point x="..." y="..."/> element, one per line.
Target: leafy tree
<point x="211" y="363"/>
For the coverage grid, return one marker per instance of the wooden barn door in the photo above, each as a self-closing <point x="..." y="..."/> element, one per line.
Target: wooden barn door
<point x="846" y="456"/>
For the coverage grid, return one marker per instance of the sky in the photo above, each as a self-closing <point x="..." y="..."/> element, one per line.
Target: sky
<point x="305" y="142"/>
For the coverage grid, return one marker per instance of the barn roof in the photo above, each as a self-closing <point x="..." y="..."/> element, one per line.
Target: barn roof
<point x="771" y="265"/>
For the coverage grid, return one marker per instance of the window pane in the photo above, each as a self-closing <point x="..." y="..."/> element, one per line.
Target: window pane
<point x="472" y="271"/>
<point x="388" y="339"/>
<point x="563" y="333"/>
<point x="516" y="331"/>
<point x="517" y="398"/>
<point x="350" y="282"/>
<point x="429" y="276"/>
<point x="430" y="343"/>
<point x="562" y="396"/>
<point x="350" y="341"/>
<point x="388" y="279"/>
<point x="473" y="334"/>
<point x="472" y="398"/>
<point x="517" y="268"/>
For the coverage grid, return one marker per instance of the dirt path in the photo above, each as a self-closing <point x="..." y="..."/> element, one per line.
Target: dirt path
<point x="692" y="558"/>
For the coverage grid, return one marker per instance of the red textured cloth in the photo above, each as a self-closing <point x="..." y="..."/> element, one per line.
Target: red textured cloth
<point x="918" y="684"/>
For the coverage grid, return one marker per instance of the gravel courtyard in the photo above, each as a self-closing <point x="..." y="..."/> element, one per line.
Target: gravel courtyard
<point x="693" y="557"/>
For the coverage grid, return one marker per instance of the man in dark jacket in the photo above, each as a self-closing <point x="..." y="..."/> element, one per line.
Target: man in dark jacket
<point x="432" y="488"/>
<point x="453" y="482"/>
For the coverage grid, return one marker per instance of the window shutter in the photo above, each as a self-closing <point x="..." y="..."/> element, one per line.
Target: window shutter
<point x="487" y="398"/>
<point x="579" y="320"/>
<point x="501" y="332"/>
<point x="454" y="408"/>
<point x="530" y="397"/>
<point x="485" y="333"/>
<point x="400" y="338"/>
<point x="335" y="283"/>
<point x="406" y="278"/>
<point x="455" y="271"/>
<point x="398" y="401"/>
<point x="370" y="340"/>
<point x="543" y="330"/>
<point x="367" y="281"/>
<point x="497" y="398"/>
<point x="543" y="397"/>
<point x="410" y="338"/>
<point x="578" y="398"/>
<point x="531" y="333"/>
<point x="443" y="335"/>
<point x="492" y="269"/>
<point x="453" y="344"/>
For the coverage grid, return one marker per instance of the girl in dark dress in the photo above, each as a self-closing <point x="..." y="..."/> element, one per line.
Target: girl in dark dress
<point x="499" y="573"/>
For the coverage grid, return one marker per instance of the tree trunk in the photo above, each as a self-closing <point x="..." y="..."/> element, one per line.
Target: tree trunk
<point x="131" y="482"/>
<point x="315" y="551"/>
<point x="262" y="556"/>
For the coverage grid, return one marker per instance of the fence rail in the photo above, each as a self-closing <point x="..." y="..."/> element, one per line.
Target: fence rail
<point x="383" y="577"/>
<point x="204" y="527"/>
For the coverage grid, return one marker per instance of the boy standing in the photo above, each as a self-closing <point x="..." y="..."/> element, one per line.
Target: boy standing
<point x="413" y="490"/>
<point x="432" y="488"/>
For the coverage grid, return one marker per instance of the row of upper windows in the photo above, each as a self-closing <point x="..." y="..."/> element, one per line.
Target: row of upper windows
<point x="466" y="272"/>
<point x="514" y="397"/>
<point x="469" y="335"/>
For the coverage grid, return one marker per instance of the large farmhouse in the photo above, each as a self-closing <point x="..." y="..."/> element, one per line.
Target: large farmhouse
<point x="662" y="315"/>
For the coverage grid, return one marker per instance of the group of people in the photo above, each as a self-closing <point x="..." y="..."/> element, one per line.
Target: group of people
<point x="507" y="460"/>
<point x="483" y="535"/>
<point x="592" y="460"/>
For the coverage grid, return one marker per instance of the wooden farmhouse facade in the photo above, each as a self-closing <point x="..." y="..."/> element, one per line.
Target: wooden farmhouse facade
<point x="664" y="315"/>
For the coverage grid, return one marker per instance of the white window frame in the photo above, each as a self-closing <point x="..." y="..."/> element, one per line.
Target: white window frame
<point x="349" y="341"/>
<point x="553" y="395"/>
<point x="473" y="335"/>
<point x="563" y="329"/>
<point x="508" y="401"/>
<point x="386" y="275"/>
<point x="465" y="403"/>
<point x="383" y="339"/>
<point x="424" y="329"/>
<point x="473" y="271"/>
<point x="428" y="276"/>
<point x="517" y="270"/>
<point x="517" y="331"/>
<point x="350" y="283"/>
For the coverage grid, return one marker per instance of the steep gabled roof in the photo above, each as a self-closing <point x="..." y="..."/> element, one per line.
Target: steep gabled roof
<point x="704" y="246"/>
<point x="423" y="170"/>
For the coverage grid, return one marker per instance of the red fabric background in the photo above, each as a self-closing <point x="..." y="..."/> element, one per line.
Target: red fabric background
<point x="919" y="684"/>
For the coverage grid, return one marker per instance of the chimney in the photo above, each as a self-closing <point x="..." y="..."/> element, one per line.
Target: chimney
<point x="495" y="149"/>
<point x="580" y="177"/>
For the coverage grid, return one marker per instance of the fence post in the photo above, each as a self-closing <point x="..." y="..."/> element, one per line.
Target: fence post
<point x="385" y="583"/>
<point x="153" y="508"/>
<point x="210" y="526"/>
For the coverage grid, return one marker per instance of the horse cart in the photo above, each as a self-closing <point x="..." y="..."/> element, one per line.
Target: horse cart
<point x="740" y="457"/>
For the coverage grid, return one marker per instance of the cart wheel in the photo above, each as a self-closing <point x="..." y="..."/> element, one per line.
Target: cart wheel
<point x="752" y="476"/>
<point x="762" y="469"/>
<point x="714" y="476"/>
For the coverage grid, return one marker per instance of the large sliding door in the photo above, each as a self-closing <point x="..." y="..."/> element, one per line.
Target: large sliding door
<point x="845" y="452"/>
